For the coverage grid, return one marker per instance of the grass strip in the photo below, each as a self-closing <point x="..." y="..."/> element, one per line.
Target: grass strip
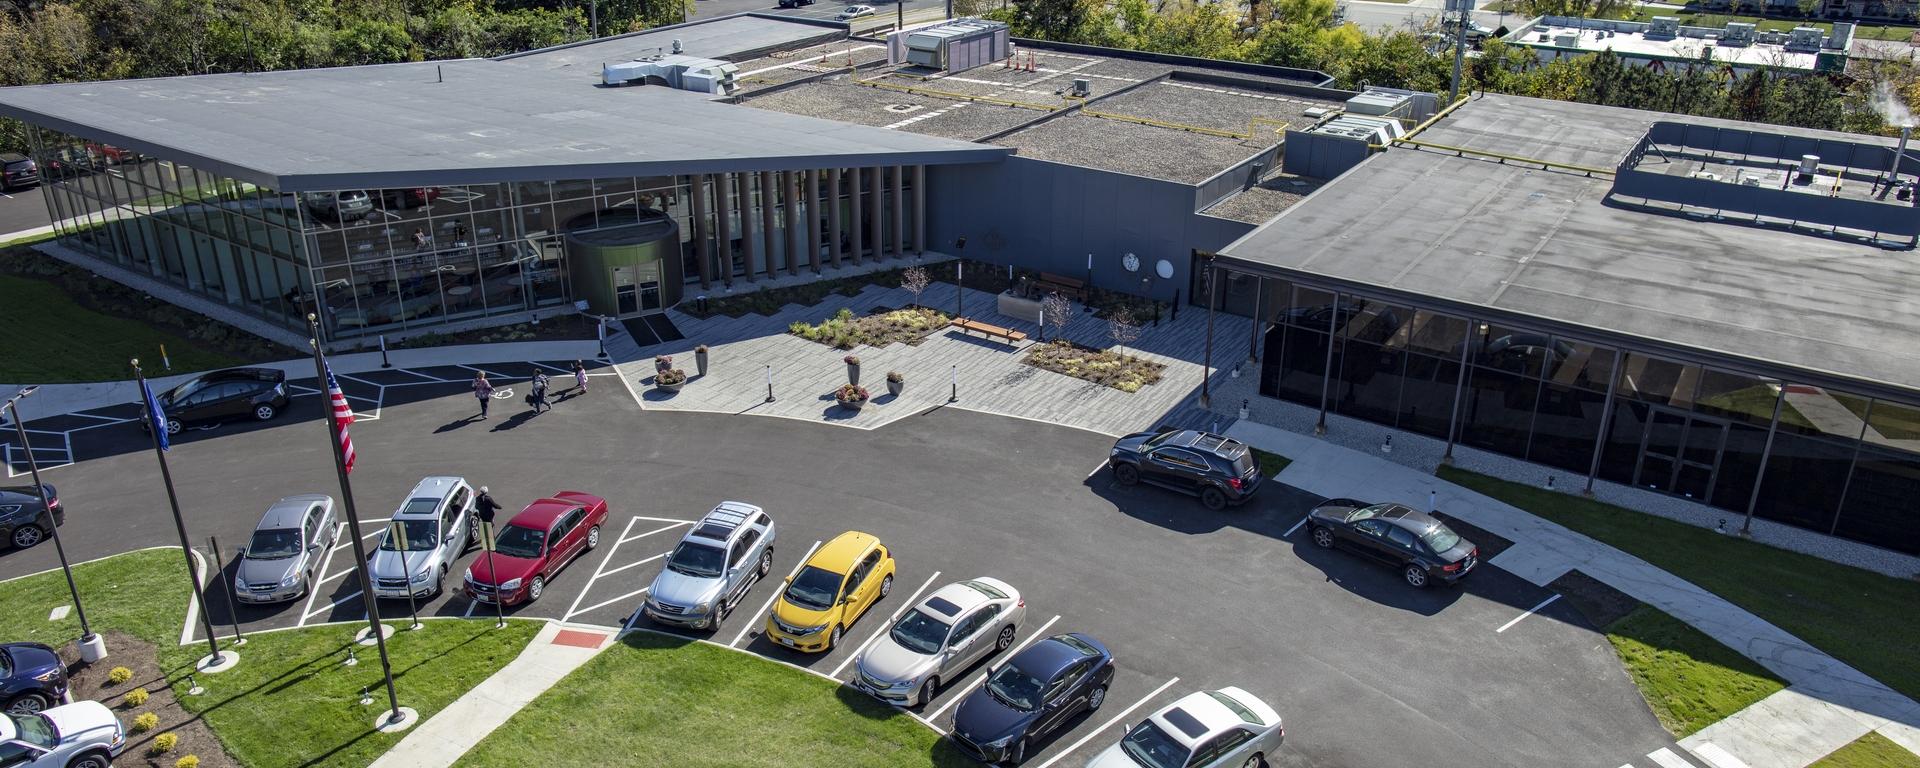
<point x="1689" y="680"/>
<point x="1270" y="463"/>
<point x="1870" y="751"/>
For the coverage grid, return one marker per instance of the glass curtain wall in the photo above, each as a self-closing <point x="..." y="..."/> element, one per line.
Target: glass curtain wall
<point x="229" y="240"/>
<point x="730" y="260"/>
<point x="1840" y="463"/>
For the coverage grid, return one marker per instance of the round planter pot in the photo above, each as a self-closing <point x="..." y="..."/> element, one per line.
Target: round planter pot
<point x="669" y="387"/>
<point x="852" y="405"/>
<point x="894" y="387"/>
<point x="700" y="362"/>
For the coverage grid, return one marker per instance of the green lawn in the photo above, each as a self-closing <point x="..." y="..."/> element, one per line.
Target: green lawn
<point x="51" y="339"/>
<point x="657" y="700"/>
<point x="1689" y="680"/>
<point x="1862" y="618"/>
<point x="290" y="702"/>
<point x="1870" y="751"/>
<point x="1270" y="463"/>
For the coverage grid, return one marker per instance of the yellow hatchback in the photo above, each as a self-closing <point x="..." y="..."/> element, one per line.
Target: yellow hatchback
<point x="830" y="592"/>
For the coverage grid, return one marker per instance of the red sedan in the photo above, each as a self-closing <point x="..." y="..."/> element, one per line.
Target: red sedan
<point x="535" y="545"/>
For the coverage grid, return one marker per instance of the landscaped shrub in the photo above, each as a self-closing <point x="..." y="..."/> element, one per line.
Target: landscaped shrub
<point x="146" y="721"/>
<point x="845" y="331"/>
<point x="164" y="743"/>
<point x="670" y="377"/>
<point x="850" y="394"/>
<point x="119" y="675"/>
<point x="136" y="697"/>
<point x="1106" y="367"/>
<point x="187" y="762"/>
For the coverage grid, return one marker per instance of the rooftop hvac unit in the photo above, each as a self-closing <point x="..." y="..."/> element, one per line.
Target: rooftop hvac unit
<point x="1379" y="103"/>
<point x="1804" y="38"/>
<point x="1315" y="113"/>
<point x="687" y="73"/>
<point x="1664" y="26"/>
<point x="955" y="46"/>
<point x="1082" y="86"/>
<point x="676" y="45"/>
<point x="1567" y="40"/>
<point x="1738" y="33"/>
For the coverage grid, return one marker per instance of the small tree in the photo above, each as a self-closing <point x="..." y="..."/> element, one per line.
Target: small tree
<point x="1057" y="311"/>
<point x="1122" y="327"/>
<point x="915" y="281"/>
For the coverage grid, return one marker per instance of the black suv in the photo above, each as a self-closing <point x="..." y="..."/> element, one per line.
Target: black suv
<point x="23" y="522"/>
<point x="1220" y="470"/>
<point x="235" y="393"/>
<point x="17" y="171"/>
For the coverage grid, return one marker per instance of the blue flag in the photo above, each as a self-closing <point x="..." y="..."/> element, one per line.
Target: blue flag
<point x="155" y="417"/>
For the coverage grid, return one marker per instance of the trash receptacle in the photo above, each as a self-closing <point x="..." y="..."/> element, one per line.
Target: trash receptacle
<point x="701" y="302"/>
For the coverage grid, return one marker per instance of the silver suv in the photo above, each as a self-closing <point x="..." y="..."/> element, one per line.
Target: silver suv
<point x="293" y="537"/>
<point x="716" y="563"/>
<point x="437" y="519"/>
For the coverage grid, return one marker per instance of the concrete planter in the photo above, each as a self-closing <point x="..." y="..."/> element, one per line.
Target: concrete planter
<point x="894" y="387"/>
<point x="700" y="362"/>
<point x="852" y="405"/>
<point x="853" y="373"/>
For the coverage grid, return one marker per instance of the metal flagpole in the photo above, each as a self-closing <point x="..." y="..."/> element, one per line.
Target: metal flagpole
<point x="353" y="529"/>
<point x="157" y="426"/>
<point x="92" y="647"/>
<point x="499" y="597"/>
<point x="398" y="531"/>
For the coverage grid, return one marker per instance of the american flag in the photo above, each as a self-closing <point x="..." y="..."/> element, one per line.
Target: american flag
<point x="342" y="416"/>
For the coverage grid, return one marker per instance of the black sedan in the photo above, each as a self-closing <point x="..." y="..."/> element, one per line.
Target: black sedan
<point x="1031" y="696"/>
<point x="31" y="677"/>
<point x="23" y="521"/>
<point x="235" y="393"/>
<point x="1220" y="470"/>
<point x="1424" y="549"/>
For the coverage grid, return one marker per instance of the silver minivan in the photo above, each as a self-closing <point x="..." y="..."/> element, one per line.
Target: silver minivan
<point x="288" y="545"/>
<point x="437" y="520"/>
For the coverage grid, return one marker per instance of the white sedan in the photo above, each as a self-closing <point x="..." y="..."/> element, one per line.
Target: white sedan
<point x="853" y="12"/>
<point x="80" y="735"/>
<point x="1227" y="728"/>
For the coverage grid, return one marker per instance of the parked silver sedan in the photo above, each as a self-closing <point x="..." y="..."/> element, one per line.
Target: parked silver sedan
<point x="939" y="639"/>
<point x="288" y="544"/>
<point x="1227" y="728"/>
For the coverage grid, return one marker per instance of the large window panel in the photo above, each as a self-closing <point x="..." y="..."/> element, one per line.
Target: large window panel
<point x="1739" y="466"/>
<point x="1621" y="456"/>
<point x="1367" y="383"/>
<point x="1498" y="411"/>
<point x="1427" y="394"/>
<point x="1739" y="397"/>
<point x="1655" y="380"/>
<point x="1804" y="476"/>
<point x="1300" y="368"/>
<point x="1879" y="507"/>
<point x="1566" y="426"/>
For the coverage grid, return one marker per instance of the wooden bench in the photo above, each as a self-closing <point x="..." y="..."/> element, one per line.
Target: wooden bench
<point x="1012" y="336"/>
<point x="1063" y="285"/>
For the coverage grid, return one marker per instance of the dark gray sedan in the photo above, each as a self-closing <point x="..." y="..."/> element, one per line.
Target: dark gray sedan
<point x="1424" y="549"/>
<point x="24" y="522"/>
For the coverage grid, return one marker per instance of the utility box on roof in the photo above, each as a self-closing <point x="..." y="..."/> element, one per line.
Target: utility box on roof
<point x="955" y="46"/>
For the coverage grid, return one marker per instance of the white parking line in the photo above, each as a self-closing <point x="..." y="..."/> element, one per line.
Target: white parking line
<point x="770" y="598"/>
<point x="640" y="563"/>
<point x="313" y="590"/>
<point x="624" y="539"/>
<point x="883" y="627"/>
<point x="665" y="519"/>
<point x="1012" y="652"/>
<point x="605" y="603"/>
<point x="1296" y="526"/>
<point x="596" y="572"/>
<point x="330" y="606"/>
<point x="1530" y="612"/>
<point x="1096" y="470"/>
<point x="1667" y="759"/>
<point x="471" y="604"/>
<point x="1108" y="724"/>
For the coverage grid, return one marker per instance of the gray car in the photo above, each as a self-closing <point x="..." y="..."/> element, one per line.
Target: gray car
<point x="939" y="640"/>
<point x="288" y="545"/>
<point x="724" y="555"/>
<point x="437" y="520"/>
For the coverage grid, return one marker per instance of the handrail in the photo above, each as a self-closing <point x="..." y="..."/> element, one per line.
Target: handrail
<point x="1503" y="158"/>
<point x="953" y="95"/>
<point x="1165" y="124"/>
<point x="1436" y="116"/>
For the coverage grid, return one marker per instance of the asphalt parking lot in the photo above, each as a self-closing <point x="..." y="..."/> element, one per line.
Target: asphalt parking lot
<point x="1366" y="671"/>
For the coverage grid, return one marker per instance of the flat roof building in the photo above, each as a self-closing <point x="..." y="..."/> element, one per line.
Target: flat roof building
<point x="1665" y="43"/>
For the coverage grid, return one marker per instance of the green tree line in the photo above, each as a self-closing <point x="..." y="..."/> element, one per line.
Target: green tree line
<point x="1307" y="34"/>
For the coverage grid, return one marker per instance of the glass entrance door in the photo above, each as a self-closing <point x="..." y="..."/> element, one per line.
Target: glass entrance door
<point x="1680" y="453"/>
<point x="648" y="278"/>
<point x="626" y="299"/>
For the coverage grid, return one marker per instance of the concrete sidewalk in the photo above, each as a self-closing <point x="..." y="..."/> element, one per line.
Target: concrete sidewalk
<point x="442" y="739"/>
<point x="56" y="399"/>
<point x="1828" y="705"/>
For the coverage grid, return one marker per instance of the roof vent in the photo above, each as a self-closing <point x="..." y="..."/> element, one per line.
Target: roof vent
<point x="676" y="45"/>
<point x="1081" y="86"/>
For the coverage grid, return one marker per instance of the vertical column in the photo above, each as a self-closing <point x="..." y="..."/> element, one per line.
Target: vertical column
<point x="813" y="219"/>
<point x="1259" y="320"/>
<point x="833" y="214"/>
<point x="749" y="239"/>
<point x="857" y="212"/>
<point x="1326" y="380"/>
<point x="878" y="225"/>
<point x="899" y="211"/>
<point x="769" y="198"/>
<point x="701" y="230"/>
<point x="1606" y="422"/>
<point x="919" y="209"/>
<point x="723" y="224"/>
<point x="790" y="185"/>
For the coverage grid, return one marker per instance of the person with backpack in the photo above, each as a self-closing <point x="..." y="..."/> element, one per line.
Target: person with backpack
<point x="537" y="396"/>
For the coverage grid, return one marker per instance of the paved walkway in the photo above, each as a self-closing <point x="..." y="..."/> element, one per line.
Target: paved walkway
<point x="443" y="738"/>
<point x="1828" y="704"/>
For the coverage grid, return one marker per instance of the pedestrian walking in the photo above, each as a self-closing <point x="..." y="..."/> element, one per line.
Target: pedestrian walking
<point x="537" y="396"/>
<point x="485" y="506"/>
<point x="579" y="377"/>
<point x="482" y="389"/>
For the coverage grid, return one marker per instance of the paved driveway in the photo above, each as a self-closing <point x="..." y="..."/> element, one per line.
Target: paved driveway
<point x="1366" y="671"/>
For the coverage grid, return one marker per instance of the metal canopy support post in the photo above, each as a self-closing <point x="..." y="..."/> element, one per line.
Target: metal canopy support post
<point x="813" y="219"/>
<point x="1253" y="337"/>
<point x="1326" y="379"/>
<point x="857" y="214"/>
<point x="702" y="230"/>
<point x="1206" y="359"/>
<point x="877" y="223"/>
<point x="1459" y="384"/>
<point x="833" y="215"/>
<point x="1606" y="421"/>
<point x="900" y="209"/>
<point x="790" y="186"/>
<point x="769" y="220"/>
<point x="749" y="240"/>
<point x="1766" y="454"/>
<point x="919" y="209"/>
<point x="723" y="224"/>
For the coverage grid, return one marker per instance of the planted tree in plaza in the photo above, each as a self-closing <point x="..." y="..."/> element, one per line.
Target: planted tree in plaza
<point x="915" y="280"/>
<point x="1056" y="310"/>
<point x="1123" y="328"/>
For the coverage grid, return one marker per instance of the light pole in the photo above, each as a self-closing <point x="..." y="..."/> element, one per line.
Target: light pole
<point x="92" y="647"/>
